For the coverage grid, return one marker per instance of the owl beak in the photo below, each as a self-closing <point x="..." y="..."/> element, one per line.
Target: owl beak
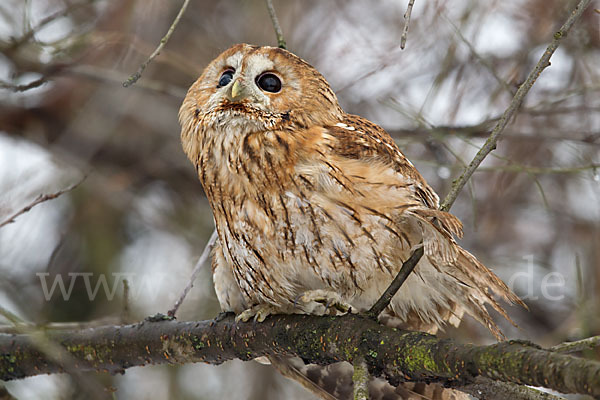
<point x="237" y="90"/>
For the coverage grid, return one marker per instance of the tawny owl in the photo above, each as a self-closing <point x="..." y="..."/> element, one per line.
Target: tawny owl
<point x="317" y="209"/>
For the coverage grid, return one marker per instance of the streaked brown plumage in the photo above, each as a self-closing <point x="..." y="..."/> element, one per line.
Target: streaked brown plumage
<point x="314" y="206"/>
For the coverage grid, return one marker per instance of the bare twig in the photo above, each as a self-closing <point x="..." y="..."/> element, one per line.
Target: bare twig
<point x="280" y="40"/>
<point x="22" y="88"/>
<point x="487" y="148"/>
<point x="15" y="43"/>
<point x="579" y="345"/>
<point x="13" y="318"/>
<point x="203" y="257"/>
<point x="360" y="378"/>
<point x="514" y="106"/>
<point x="485" y="62"/>
<point x="407" y="14"/>
<point x="125" y="315"/>
<point x="405" y="271"/>
<point x="40" y="199"/>
<point x="138" y="74"/>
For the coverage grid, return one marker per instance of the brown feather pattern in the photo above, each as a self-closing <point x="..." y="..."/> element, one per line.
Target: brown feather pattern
<point x="315" y="206"/>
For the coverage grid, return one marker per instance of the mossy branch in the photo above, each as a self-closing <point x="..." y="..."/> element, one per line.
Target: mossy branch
<point x="389" y="353"/>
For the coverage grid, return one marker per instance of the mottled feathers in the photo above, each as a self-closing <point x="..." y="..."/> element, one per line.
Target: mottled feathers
<point x="314" y="206"/>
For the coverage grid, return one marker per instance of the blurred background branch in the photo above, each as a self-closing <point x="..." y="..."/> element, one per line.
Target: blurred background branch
<point x="40" y="199"/>
<point x="515" y="104"/>
<point x="138" y="74"/>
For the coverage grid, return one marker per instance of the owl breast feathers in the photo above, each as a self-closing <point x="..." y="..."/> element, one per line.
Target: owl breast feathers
<point x="315" y="207"/>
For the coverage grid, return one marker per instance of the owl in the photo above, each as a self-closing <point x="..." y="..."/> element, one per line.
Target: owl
<point x="317" y="209"/>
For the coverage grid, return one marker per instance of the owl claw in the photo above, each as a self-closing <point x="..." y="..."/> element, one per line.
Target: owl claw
<point x="331" y="301"/>
<point x="259" y="313"/>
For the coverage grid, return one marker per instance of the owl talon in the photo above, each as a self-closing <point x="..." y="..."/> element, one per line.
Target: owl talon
<point x="331" y="301"/>
<point x="258" y="313"/>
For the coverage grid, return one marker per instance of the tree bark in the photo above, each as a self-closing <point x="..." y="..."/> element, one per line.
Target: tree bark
<point x="395" y="355"/>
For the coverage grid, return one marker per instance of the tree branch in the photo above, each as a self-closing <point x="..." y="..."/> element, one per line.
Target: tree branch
<point x="138" y="74"/>
<point x="484" y="388"/>
<point x="515" y="104"/>
<point x="579" y="345"/>
<point x="197" y="268"/>
<point x="40" y="199"/>
<point x="392" y="354"/>
<point x="360" y="378"/>
<point x="407" y="15"/>
<point x="386" y="297"/>
<point x="23" y="88"/>
<point x="487" y="148"/>
<point x="278" y="32"/>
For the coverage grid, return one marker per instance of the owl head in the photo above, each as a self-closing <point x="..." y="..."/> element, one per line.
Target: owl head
<point x="259" y="89"/>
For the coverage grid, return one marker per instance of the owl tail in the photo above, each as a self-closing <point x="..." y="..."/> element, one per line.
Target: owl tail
<point x="334" y="382"/>
<point x="438" y="229"/>
<point x="479" y="280"/>
<point x="476" y="284"/>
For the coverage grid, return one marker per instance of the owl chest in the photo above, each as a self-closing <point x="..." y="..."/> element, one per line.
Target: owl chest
<point x="280" y="245"/>
<point x="233" y="161"/>
<point x="270" y="240"/>
<point x="281" y="236"/>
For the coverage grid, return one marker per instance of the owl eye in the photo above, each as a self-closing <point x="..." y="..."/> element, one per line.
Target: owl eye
<point x="225" y="78"/>
<point x="269" y="82"/>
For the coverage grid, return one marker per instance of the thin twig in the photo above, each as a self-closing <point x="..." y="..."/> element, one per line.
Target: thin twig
<point x="407" y="14"/>
<point x="360" y="379"/>
<point x="485" y="62"/>
<point x="40" y="199"/>
<point x="386" y="297"/>
<point x="579" y="345"/>
<point x="203" y="257"/>
<point x="280" y="40"/>
<point x="22" y="88"/>
<point x="125" y="315"/>
<point x="42" y="23"/>
<point x="13" y="318"/>
<point x="138" y="74"/>
<point x="514" y="106"/>
<point x="489" y="145"/>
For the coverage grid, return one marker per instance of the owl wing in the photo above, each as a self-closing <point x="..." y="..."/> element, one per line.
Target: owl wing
<point x="359" y="139"/>
<point x="385" y="182"/>
<point x="370" y="155"/>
